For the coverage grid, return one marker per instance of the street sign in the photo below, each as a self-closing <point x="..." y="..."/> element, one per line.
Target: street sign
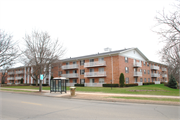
<point x="41" y="76"/>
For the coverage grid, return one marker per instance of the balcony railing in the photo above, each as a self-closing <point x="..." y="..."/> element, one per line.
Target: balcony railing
<point x="95" y="64"/>
<point x="155" y="67"/>
<point x="95" y="74"/>
<point x="10" y="73"/>
<point x="18" y="78"/>
<point x="155" y="75"/>
<point x="19" y="72"/>
<point x="139" y="83"/>
<point x="164" y="69"/>
<point x="10" y="78"/>
<point x="164" y="75"/>
<point x="137" y="64"/>
<point x="136" y="74"/>
<point x="74" y="66"/>
<point x="71" y="75"/>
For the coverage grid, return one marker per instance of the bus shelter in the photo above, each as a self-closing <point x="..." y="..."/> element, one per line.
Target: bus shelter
<point x="58" y="84"/>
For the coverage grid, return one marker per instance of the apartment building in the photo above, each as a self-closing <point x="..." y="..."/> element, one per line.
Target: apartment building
<point x="104" y="67"/>
<point x="96" y="69"/>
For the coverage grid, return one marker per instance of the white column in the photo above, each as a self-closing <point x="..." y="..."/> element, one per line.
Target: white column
<point x="28" y="76"/>
<point x="25" y="75"/>
<point x="32" y="74"/>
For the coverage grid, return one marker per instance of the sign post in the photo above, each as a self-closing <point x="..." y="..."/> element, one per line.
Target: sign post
<point x="40" y="82"/>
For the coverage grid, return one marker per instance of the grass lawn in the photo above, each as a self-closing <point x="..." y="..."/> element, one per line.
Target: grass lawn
<point x="158" y="89"/>
<point x="146" y="98"/>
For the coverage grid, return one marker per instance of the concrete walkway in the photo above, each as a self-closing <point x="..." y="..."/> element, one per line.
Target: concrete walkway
<point x="58" y="94"/>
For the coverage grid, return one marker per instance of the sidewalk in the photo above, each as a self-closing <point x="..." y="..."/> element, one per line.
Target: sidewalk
<point x="101" y="96"/>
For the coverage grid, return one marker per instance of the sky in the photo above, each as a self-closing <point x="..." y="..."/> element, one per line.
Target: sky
<point x="88" y="26"/>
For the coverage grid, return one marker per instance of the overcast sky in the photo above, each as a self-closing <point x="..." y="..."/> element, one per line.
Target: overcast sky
<point x="88" y="26"/>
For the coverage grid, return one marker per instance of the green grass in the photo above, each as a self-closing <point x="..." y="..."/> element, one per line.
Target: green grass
<point x="146" y="98"/>
<point x="158" y="89"/>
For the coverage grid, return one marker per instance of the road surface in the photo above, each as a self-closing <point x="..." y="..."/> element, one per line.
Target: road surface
<point x="14" y="106"/>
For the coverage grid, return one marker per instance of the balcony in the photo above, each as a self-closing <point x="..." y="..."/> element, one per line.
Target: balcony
<point x="137" y="74"/>
<point x="19" y="72"/>
<point x="164" y="69"/>
<point x="137" y="64"/>
<point x="164" y="75"/>
<point x="155" y="75"/>
<point x="95" y="74"/>
<point x="155" y="67"/>
<point x="74" y="66"/>
<point x="95" y="64"/>
<point x="18" y="78"/>
<point x="10" y="78"/>
<point x="10" y="73"/>
<point x="72" y="75"/>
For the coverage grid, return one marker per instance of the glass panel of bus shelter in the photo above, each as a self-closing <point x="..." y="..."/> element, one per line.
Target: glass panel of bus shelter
<point x="59" y="82"/>
<point x="52" y="87"/>
<point x="57" y="88"/>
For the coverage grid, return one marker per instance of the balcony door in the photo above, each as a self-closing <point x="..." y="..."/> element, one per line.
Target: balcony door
<point x="74" y="71"/>
<point x="91" y="80"/>
<point x="74" y="64"/>
<point x="91" y="72"/>
<point x="91" y="61"/>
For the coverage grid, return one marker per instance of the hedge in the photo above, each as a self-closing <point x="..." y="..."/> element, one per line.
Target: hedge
<point x="42" y="84"/>
<point x="109" y="85"/>
<point x="4" y="85"/>
<point x="149" y="83"/>
<point x="79" y="85"/>
<point x="131" y="85"/>
<point x="162" y="82"/>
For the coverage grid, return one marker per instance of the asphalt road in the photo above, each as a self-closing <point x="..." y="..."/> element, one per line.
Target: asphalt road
<point x="14" y="106"/>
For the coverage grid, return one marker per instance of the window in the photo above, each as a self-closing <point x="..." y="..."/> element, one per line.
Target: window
<point x="74" y="71"/>
<point x="101" y="59"/>
<point x="126" y="59"/>
<point x="135" y="79"/>
<point x="60" y="73"/>
<point x="74" y="80"/>
<point x="101" y="80"/>
<point x="74" y="62"/>
<point x="145" y="80"/>
<point x="134" y="52"/>
<point x="161" y="79"/>
<point x="82" y="81"/>
<point x="126" y="70"/>
<point x="148" y="72"/>
<point x="144" y="63"/>
<point x="148" y="79"/>
<point x="140" y="70"/>
<point x="141" y="80"/>
<point x="147" y="64"/>
<point x="82" y="71"/>
<point x="152" y="79"/>
<point x="91" y="60"/>
<point x="67" y="63"/>
<point x="158" y="79"/>
<point x="127" y="80"/>
<point x="91" y="80"/>
<point x="67" y="72"/>
<point x="144" y="71"/>
<point x="101" y="69"/>
<point x="82" y="62"/>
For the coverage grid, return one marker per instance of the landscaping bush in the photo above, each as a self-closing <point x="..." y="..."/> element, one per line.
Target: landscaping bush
<point x="166" y="84"/>
<point x="172" y="82"/>
<point x="131" y="85"/>
<point x="121" y="80"/>
<point x="42" y="84"/>
<point x="149" y="83"/>
<point x="109" y="85"/>
<point x="79" y="85"/>
<point x="162" y="82"/>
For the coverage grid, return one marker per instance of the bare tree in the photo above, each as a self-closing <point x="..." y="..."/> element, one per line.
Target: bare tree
<point x="8" y="49"/>
<point x="169" y="31"/>
<point x="40" y="53"/>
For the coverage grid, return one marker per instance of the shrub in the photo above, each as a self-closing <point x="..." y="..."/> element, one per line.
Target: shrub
<point x="42" y="84"/>
<point x="121" y="80"/>
<point x="172" y="82"/>
<point x="149" y="83"/>
<point x="79" y="85"/>
<point x="109" y="85"/>
<point x="131" y="85"/>
<point x="165" y="84"/>
<point x="162" y="82"/>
